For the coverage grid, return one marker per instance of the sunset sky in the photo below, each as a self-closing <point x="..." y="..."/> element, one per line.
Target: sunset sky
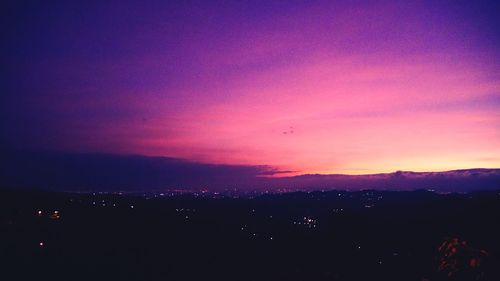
<point x="352" y="87"/>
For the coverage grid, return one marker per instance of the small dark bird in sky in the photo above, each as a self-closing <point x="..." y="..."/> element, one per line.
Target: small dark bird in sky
<point x="289" y="131"/>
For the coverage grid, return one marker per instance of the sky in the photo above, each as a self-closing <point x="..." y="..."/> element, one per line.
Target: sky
<point x="352" y="87"/>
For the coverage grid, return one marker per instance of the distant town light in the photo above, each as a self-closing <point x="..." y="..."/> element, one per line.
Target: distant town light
<point x="55" y="215"/>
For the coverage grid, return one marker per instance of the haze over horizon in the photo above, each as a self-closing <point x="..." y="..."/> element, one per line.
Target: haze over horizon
<point x="299" y="87"/>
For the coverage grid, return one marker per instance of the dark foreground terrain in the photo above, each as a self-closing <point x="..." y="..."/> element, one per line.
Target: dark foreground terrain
<point x="366" y="235"/>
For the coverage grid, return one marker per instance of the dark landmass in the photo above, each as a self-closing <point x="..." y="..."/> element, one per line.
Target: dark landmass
<point x="365" y="235"/>
<point x="60" y="171"/>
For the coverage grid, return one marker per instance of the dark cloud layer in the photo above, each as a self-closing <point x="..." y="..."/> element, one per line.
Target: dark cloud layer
<point x="108" y="172"/>
<point x="70" y="171"/>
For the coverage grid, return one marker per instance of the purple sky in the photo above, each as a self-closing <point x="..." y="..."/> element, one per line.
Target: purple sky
<point x="306" y="86"/>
